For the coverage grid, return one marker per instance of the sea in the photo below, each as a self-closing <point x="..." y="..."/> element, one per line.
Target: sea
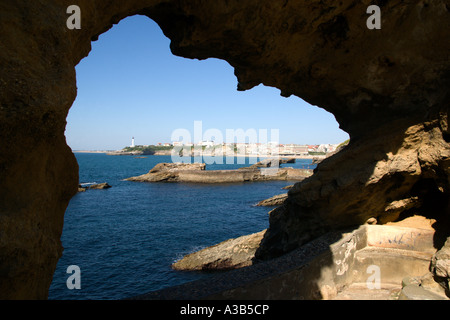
<point x="123" y="240"/>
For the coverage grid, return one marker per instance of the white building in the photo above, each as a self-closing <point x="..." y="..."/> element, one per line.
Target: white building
<point x="132" y="142"/>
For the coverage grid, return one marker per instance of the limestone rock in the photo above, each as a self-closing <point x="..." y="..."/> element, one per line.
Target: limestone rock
<point x="270" y="163"/>
<point x="289" y="160"/>
<point x="371" y="221"/>
<point x="172" y="167"/>
<point x="413" y="292"/>
<point x="423" y="288"/>
<point x="317" y="160"/>
<point x="230" y="254"/>
<point x="273" y="201"/>
<point x="128" y="153"/>
<point x="440" y="264"/>
<point x="387" y="88"/>
<point x="415" y="221"/>
<point x="356" y="184"/>
<point x="196" y="173"/>
<point x="168" y="172"/>
<point x="99" y="186"/>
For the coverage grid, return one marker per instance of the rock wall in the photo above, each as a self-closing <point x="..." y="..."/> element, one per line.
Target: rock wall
<point x="387" y="88"/>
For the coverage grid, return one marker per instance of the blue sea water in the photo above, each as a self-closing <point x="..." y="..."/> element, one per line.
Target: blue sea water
<point x="124" y="239"/>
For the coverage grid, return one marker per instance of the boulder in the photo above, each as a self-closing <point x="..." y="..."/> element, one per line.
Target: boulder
<point x="289" y="160"/>
<point x="440" y="265"/>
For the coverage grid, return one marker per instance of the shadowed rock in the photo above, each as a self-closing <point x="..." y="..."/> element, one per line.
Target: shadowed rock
<point x="196" y="173"/>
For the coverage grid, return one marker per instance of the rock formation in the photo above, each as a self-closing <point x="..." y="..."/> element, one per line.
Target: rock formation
<point x="227" y="255"/>
<point x="94" y="186"/>
<point x="196" y="173"/>
<point x="273" y="201"/>
<point x="409" y="176"/>
<point x="99" y="186"/>
<point x="128" y="153"/>
<point x="168" y="172"/>
<point x="387" y="88"/>
<point x="267" y="163"/>
<point x="440" y="266"/>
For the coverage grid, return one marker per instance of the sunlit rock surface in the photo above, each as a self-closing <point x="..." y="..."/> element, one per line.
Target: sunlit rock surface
<point x="387" y="88"/>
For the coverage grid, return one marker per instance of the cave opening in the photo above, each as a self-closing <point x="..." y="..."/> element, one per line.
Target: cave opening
<point x="132" y="86"/>
<point x="282" y="45"/>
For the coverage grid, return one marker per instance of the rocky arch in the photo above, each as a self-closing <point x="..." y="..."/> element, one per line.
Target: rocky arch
<point x="387" y="88"/>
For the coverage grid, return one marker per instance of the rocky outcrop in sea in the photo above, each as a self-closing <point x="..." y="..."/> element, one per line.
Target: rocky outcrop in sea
<point x="196" y="173"/>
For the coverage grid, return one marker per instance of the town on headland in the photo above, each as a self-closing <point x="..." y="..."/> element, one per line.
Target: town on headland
<point x="210" y="148"/>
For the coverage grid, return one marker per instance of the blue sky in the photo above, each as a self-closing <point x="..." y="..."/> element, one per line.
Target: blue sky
<point x="131" y="85"/>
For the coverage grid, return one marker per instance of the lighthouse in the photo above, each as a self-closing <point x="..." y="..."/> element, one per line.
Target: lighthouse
<point x="132" y="142"/>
